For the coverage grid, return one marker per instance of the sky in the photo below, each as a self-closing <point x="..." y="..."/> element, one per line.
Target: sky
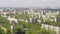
<point x="30" y="3"/>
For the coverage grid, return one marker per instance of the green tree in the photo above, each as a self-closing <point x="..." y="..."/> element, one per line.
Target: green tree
<point x="2" y="31"/>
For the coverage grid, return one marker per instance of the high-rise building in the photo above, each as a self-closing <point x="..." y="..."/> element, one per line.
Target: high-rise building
<point x="57" y="19"/>
<point x="33" y="20"/>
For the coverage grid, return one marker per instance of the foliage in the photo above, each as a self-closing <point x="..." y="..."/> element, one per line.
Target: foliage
<point x="22" y="16"/>
<point x="2" y="31"/>
<point x="52" y="23"/>
<point x="30" y="28"/>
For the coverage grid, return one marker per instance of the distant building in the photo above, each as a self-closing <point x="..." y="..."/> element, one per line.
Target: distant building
<point x="12" y="19"/>
<point x="33" y="20"/>
<point x="57" y="19"/>
<point x="25" y="12"/>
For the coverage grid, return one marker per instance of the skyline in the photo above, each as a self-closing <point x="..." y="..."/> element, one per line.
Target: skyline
<point x="30" y="3"/>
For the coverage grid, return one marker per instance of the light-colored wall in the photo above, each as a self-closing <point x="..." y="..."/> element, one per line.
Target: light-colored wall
<point x="51" y="27"/>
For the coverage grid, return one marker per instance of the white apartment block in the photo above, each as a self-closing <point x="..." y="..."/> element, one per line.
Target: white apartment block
<point x="51" y="27"/>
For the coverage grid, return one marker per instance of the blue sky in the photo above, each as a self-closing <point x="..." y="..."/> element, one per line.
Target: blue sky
<point x="30" y="3"/>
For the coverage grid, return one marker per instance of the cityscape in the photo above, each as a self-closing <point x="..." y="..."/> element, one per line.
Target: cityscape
<point x="29" y="16"/>
<point x="29" y="21"/>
